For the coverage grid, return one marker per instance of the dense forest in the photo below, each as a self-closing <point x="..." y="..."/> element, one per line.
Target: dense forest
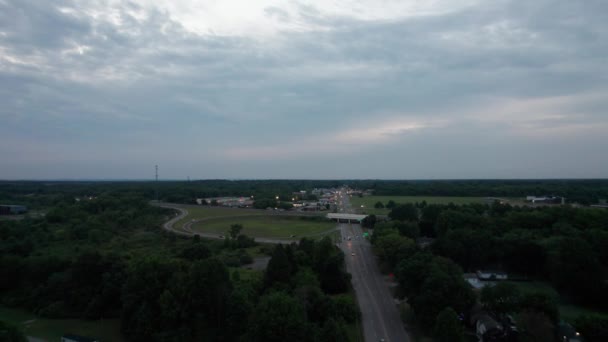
<point x="563" y="246"/>
<point x="108" y="257"/>
<point x="99" y="252"/>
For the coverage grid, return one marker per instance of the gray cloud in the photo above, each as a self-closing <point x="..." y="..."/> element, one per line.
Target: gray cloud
<point x="131" y="85"/>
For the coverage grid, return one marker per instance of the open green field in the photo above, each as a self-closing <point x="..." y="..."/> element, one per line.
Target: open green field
<point x="53" y="329"/>
<point x="368" y="202"/>
<point x="196" y="213"/>
<point x="266" y="226"/>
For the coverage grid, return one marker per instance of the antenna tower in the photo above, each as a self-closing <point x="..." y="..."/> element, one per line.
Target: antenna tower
<point x="156" y="183"/>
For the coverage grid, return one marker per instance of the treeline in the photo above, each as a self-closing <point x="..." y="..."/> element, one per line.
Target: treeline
<point x="43" y="193"/>
<point x="564" y="246"/>
<point x="38" y="194"/>
<point x="584" y="191"/>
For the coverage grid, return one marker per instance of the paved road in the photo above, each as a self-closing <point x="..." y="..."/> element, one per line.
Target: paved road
<point x="380" y="317"/>
<point x="186" y="229"/>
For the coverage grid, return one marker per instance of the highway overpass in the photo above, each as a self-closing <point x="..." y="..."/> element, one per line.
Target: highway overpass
<point x="346" y="217"/>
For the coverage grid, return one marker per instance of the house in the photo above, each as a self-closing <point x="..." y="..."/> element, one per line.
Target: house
<point x="77" y="338"/>
<point x="11" y="209"/>
<point x="490" y="328"/>
<point x="424" y="242"/>
<point x="477" y="284"/>
<point x="491" y="275"/>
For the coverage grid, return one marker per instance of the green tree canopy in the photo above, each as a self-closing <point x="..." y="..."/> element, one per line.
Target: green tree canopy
<point x="448" y="327"/>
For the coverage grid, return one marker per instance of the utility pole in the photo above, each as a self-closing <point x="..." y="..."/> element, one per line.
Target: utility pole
<point x="156" y="183"/>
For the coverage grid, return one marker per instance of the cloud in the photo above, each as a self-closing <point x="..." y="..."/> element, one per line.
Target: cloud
<point x="220" y="82"/>
<point x="340" y="141"/>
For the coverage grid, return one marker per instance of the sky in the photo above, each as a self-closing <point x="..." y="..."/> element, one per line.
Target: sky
<point x="318" y="89"/>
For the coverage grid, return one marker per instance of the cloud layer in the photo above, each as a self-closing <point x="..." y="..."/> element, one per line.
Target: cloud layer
<point x="303" y="89"/>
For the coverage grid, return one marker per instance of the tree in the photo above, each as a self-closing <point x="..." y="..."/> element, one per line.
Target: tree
<point x="574" y="259"/>
<point x="346" y="308"/>
<point x="333" y="331"/>
<point x="278" y="269"/>
<point x="404" y="212"/>
<point x="10" y="333"/>
<point x="238" y="311"/>
<point x="393" y="247"/>
<point x="207" y="287"/>
<point x="235" y="230"/>
<point x="195" y="251"/>
<point x="332" y="275"/>
<point x="409" y="229"/>
<point x="369" y="221"/>
<point x="442" y="286"/>
<point x="501" y="298"/>
<point x="279" y="317"/>
<point x="412" y="272"/>
<point x="535" y="327"/>
<point x="379" y="205"/>
<point x="542" y="303"/>
<point x="391" y="204"/>
<point x="448" y="327"/>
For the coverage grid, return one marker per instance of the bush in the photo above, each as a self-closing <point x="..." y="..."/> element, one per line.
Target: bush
<point x="232" y="261"/>
<point x="246" y="259"/>
<point x="55" y="310"/>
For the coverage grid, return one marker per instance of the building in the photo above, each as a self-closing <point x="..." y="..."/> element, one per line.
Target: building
<point x="546" y="200"/>
<point x="241" y="202"/>
<point x="10" y="209"/>
<point x="491" y="275"/>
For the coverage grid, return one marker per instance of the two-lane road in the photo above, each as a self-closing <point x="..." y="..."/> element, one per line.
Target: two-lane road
<point x="379" y="313"/>
<point x="380" y="317"/>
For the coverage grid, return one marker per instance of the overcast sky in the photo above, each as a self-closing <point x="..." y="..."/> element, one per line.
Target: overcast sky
<point x="399" y="89"/>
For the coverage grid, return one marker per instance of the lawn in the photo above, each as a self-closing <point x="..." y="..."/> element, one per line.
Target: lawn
<point x="53" y="329"/>
<point x="368" y="202"/>
<point x="266" y="226"/>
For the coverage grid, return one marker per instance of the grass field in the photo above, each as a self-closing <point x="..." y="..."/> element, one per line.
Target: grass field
<point x="53" y="329"/>
<point x="265" y="226"/>
<point x="195" y="213"/>
<point x="368" y="202"/>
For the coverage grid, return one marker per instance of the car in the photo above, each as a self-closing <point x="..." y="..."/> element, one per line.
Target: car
<point x="353" y="254"/>
<point x="221" y="236"/>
